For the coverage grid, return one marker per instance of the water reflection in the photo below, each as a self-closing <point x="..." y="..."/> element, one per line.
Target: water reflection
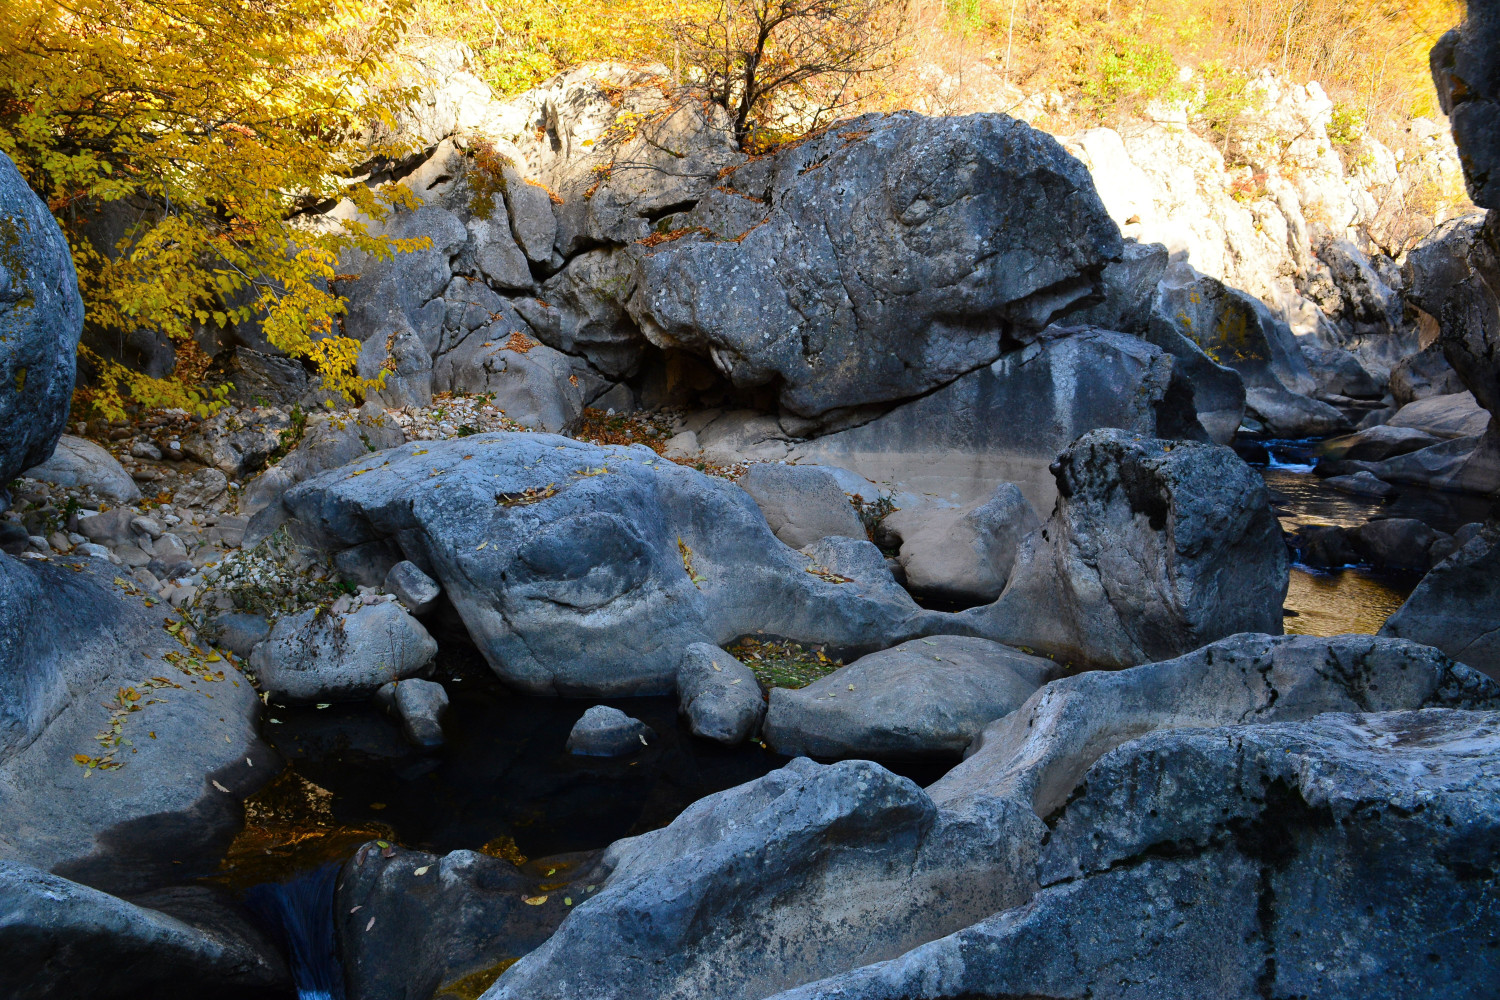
<point x="1342" y="601"/>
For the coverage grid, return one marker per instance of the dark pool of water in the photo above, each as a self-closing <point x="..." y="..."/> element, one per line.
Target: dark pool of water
<point x="505" y="772"/>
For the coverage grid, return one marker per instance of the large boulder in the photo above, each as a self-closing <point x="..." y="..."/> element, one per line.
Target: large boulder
<point x="124" y="746"/>
<point x="815" y="870"/>
<point x="961" y="440"/>
<point x="327" y="440"/>
<point x="586" y="570"/>
<point x="962" y="553"/>
<point x="324" y="655"/>
<point x="1466" y="72"/>
<point x="64" y="939"/>
<point x="1317" y="858"/>
<point x="923" y="698"/>
<point x="879" y="260"/>
<point x="41" y="319"/>
<point x="1154" y="548"/>
<point x="1457" y="605"/>
<point x="1448" y="416"/>
<point x="82" y="464"/>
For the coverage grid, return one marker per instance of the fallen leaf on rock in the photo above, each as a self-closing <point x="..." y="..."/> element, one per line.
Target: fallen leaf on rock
<point x="369" y="925"/>
<point x="221" y="788"/>
<point x="535" y="900"/>
<point x="422" y="870"/>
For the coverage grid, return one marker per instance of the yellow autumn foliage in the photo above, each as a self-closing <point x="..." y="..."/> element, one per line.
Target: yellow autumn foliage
<point x="179" y="142"/>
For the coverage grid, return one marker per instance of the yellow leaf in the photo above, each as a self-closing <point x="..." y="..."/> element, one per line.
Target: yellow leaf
<point x="422" y="870"/>
<point x="535" y="900"/>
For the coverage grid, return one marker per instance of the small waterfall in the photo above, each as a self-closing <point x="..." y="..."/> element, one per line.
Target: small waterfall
<point x="299" y="913"/>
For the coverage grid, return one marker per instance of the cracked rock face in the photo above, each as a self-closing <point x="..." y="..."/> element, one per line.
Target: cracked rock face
<point x="1154" y="548"/>
<point x="586" y="570"/>
<point x="1466" y="72"/>
<point x="880" y="260"/>
<point x="1342" y="856"/>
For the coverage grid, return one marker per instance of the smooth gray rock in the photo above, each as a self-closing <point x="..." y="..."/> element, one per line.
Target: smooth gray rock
<point x="318" y="655"/>
<point x="499" y="258"/>
<point x="586" y="570"/>
<point x="802" y="504"/>
<point x="112" y="527"/>
<point x="1465" y="73"/>
<point x="1313" y="858"/>
<point x="927" y="698"/>
<point x="81" y="463"/>
<point x="240" y="633"/>
<point x="1362" y="484"/>
<point x="534" y="386"/>
<point x="41" y="319"/>
<point x="1456" y="607"/>
<point x="1400" y="543"/>
<point x="466" y="912"/>
<point x="1007" y="422"/>
<point x="60" y="938"/>
<point x="1154" y="548"/>
<point x="728" y="900"/>
<point x="421" y="705"/>
<point x="962" y="553"/>
<point x="719" y="695"/>
<point x="608" y="732"/>
<point x="75" y="642"/>
<point x="951" y="237"/>
<point x="1338" y="372"/>
<point x="1284" y="414"/>
<point x="1446" y="417"/>
<point x="413" y="588"/>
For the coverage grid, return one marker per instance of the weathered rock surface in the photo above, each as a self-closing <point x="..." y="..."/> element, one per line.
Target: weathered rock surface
<point x="1154" y="548"/>
<point x="1452" y="416"/>
<point x="1313" y="858"/>
<point x="413" y="922"/>
<point x="238" y="443"/>
<point x="318" y="655"/>
<point x="1456" y="607"/>
<point x="41" y="319"/>
<point x="962" y="553"/>
<point x="1283" y="414"/>
<point x="719" y="695"/>
<point x="530" y="381"/>
<point x="608" y="732"/>
<point x="964" y="438"/>
<point x="982" y="231"/>
<point x="586" y="570"/>
<point x="923" y="698"/>
<point x="82" y="463"/>
<point x="863" y="866"/>
<point x="62" y="938"/>
<point x="801" y="503"/>
<point x="1426" y="373"/>
<point x="81" y="659"/>
<point x="1468" y="84"/>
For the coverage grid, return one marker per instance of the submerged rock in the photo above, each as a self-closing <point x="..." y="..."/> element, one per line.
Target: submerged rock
<point x="923" y="698"/>
<point x="608" y="732"/>
<point x="61" y="938"/>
